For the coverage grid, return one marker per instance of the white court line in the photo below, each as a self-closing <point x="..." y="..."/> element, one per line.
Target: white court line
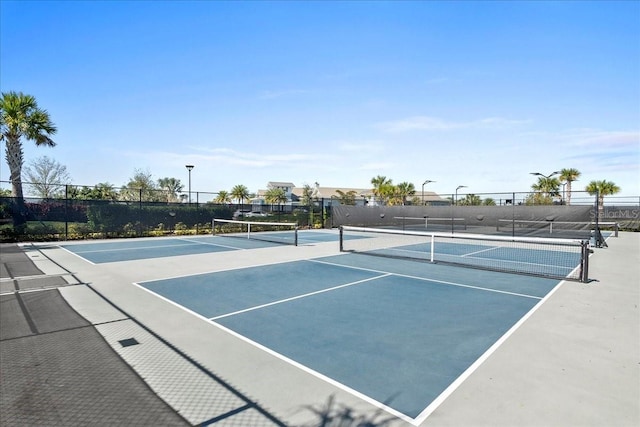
<point x="426" y="279"/>
<point x="135" y="249"/>
<point x="480" y="251"/>
<point x="300" y="296"/>
<point x="212" y="244"/>
<point x="77" y="255"/>
<point x="475" y="365"/>
<point x="289" y="361"/>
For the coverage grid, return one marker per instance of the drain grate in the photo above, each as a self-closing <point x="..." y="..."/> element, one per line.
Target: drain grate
<point x="128" y="342"/>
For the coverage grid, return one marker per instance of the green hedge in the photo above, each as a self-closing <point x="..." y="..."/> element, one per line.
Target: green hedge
<point x="127" y="218"/>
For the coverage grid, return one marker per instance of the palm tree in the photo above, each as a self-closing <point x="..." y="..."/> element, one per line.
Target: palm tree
<point x="602" y="188"/>
<point x="20" y="117"/>
<point x="569" y="175"/>
<point x="240" y="193"/>
<point x="404" y="190"/>
<point x="172" y="186"/>
<point x="546" y="188"/>
<point x="223" y="197"/>
<point x="382" y="188"/>
<point x="470" y="200"/>
<point x="275" y="196"/>
<point x="101" y="191"/>
<point x="307" y="195"/>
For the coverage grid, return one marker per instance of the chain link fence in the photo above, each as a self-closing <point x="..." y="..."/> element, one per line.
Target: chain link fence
<point x="81" y="212"/>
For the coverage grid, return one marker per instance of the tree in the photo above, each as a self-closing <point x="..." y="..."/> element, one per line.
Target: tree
<point x="569" y="175"/>
<point x="275" y="196"/>
<point x="547" y="188"/>
<point x="382" y="188"/>
<point x="47" y="177"/>
<point x="489" y="201"/>
<point x="172" y="186"/>
<point x="405" y="190"/>
<point x="347" y="198"/>
<point x="223" y="197"/>
<point x="307" y="195"/>
<point x="20" y="117"/>
<point x="470" y="200"/>
<point x="602" y="188"/>
<point x="141" y="187"/>
<point x="101" y="191"/>
<point x="240" y="193"/>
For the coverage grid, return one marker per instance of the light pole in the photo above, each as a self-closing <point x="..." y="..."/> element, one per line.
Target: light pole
<point x="423" y="184"/>
<point x="189" y="167"/>
<point x="457" y="188"/>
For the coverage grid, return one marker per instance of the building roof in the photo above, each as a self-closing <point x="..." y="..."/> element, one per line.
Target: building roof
<point x="271" y="184"/>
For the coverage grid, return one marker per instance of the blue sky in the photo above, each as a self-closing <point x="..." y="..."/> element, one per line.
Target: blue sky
<point x="462" y="93"/>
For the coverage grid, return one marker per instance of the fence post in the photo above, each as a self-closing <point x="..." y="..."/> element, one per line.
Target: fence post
<point x="139" y="212"/>
<point x="513" y="214"/>
<point x="66" y="212"/>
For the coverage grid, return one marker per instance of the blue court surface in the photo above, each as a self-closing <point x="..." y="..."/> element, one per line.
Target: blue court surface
<point x="398" y="332"/>
<point x="128" y="250"/>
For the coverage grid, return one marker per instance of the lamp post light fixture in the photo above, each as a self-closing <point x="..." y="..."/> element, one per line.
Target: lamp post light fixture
<point x="423" y="184"/>
<point x="543" y="175"/>
<point x="457" y="188"/>
<point x="189" y="167"/>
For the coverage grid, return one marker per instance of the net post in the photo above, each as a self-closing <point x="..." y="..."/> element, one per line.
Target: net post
<point x="598" y="234"/>
<point x="341" y="239"/>
<point x="584" y="262"/>
<point x="295" y="235"/>
<point x="213" y="227"/>
<point x="248" y="230"/>
<point x="433" y="245"/>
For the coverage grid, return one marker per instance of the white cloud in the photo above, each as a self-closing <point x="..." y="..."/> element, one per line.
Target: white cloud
<point x="428" y="123"/>
<point x="598" y="139"/>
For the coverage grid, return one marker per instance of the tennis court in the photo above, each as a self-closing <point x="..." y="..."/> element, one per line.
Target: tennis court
<point x="139" y="249"/>
<point x="395" y="332"/>
<point x="296" y="328"/>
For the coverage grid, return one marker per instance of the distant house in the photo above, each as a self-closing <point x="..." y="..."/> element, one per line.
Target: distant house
<point x="330" y="194"/>
<point x="287" y="187"/>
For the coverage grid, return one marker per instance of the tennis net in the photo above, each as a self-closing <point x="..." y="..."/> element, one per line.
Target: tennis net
<point x="545" y="257"/>
<point x="549" y="228"/>
<point x="276" y="232"/>
<point x="426" y="223"/>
